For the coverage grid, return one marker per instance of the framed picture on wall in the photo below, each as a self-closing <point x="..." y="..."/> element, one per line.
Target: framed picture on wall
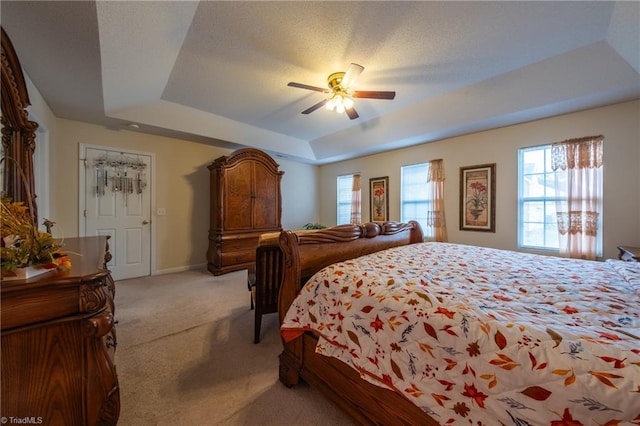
<point x="379" y="199"/>
<point x="478" y="198"/>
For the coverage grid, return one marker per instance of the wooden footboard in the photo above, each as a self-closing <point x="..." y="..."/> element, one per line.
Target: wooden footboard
<point x="306" y="254"/>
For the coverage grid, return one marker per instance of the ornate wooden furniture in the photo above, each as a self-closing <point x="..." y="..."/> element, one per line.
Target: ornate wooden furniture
<point x="245" y="203"/>
<point x="18" y="132"/>
<point x="58" y="342"/>
<point x="265" y="284"/>
<point x="306" y="254"/>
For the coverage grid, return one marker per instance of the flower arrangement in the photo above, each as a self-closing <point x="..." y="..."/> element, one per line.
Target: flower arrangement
<point x="22" y="245"/>
<point x="478" y="199"/>
<point x="378" y="199"/>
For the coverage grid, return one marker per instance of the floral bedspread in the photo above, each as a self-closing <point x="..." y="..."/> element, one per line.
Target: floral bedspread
<point x="480" y="336"/>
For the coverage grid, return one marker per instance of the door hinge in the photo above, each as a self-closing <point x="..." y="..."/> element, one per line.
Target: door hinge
<point x="85" y="212"/>
<point x="84" y="162"/>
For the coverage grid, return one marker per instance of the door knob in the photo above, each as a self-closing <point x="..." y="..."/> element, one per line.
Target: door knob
<point x="145" y="222"/>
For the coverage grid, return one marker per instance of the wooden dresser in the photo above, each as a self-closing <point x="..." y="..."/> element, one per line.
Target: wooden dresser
<point x="245" y="203"/>
<point x="58" y="342"/>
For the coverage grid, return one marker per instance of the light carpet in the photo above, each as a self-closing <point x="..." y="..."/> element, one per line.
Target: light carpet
<point x="186" y="356"/>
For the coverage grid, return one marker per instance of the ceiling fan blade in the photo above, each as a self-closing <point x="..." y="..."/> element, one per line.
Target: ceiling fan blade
<point x="351" y="112"/>
<point x="351" y="75"/>
<point x="306" y="86"/>
<point x="315" y="107"/>
<point x="373" y="94"/>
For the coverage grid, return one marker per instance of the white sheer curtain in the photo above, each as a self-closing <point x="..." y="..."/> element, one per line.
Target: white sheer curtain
<point x="356" y="201"/>
<point x="578" y="167"/>
<point x="435" y="217"/>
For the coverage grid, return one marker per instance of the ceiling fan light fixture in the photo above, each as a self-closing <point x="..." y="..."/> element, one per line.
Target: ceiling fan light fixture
<point x="339" y="102"/>
<point x="348" y="102"/>
<point x="340" y="92"/>
<point x="330" y="105"/>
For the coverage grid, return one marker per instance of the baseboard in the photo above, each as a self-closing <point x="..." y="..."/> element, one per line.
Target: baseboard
<point x="180" y="269"/>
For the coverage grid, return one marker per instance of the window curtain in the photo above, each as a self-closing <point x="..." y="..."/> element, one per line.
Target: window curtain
<point x="577" y="164"/>
<point x="435" y="217"/>
<point x="356" y="201"/>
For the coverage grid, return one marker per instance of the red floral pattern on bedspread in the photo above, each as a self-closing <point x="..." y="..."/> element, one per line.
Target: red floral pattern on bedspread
<point x="481" y="336"/>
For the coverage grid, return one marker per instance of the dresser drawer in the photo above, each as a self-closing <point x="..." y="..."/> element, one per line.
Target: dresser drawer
<point x="241" y="256"/>
<point x="236" y="244"/>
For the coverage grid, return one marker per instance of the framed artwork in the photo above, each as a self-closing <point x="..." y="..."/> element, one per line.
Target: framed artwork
<point x="379" y="199"/>
<point x="478" y="198"/>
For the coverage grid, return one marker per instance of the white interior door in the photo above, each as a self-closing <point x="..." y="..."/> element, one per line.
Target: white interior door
<point x="118" y="203"/>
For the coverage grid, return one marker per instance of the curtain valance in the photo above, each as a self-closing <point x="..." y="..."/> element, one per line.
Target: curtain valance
<point x="579" y="153"/>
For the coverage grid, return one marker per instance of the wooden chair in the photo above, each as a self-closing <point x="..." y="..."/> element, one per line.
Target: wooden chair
<point x="264" y="284"/>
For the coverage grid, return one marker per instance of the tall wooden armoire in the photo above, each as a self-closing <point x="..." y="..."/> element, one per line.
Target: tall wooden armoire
<point x="245" y="203"/>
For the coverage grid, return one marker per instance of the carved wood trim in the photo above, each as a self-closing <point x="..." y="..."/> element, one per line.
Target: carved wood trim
<point x="18" y="132"/>
<point x="98" y="326"/>
<point x="110" y="410"/>
<point x="15" y="81"/>
<point x="243" y="155"/>
<point x="92" y="296"/>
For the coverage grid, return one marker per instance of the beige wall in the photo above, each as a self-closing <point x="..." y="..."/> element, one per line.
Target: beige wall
<point x="181" y="186"/>
<point x="300" y="198"/>
<point x="309" y="192"/>
<point x="620" y="125"/>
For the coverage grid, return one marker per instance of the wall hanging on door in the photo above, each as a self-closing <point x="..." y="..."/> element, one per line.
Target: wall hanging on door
<point x="120" y="174"/>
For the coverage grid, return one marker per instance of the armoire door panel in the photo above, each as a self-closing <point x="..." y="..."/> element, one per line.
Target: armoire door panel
<point x="238" y="200"/>
<point x="267" y="200"/>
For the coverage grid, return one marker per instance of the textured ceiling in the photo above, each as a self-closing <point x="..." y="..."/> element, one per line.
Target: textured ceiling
<point x="217" y="72"/>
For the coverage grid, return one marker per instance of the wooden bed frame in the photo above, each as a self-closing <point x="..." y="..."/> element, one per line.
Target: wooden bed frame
<point x="306" y="254"/>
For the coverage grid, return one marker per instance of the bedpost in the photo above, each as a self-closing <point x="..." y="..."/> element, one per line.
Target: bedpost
<point x="291" y="356"/>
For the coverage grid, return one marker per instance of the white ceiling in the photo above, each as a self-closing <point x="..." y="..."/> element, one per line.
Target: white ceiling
<point x="217" y="71"/>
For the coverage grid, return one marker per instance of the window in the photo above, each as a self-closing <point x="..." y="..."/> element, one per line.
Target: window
<point x="345" y="190"/>
<point x="537" y="196"/>
<point x="415" y="200"/>
<point x="537" y="226"/>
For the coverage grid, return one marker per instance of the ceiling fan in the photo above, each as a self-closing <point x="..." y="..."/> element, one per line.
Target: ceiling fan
<point x="340" y="96"/>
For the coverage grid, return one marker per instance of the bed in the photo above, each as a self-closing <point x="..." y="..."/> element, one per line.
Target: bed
<point x="437" y="333"/>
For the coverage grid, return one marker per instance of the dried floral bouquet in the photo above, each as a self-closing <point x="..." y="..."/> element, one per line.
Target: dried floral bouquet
<point x="23" y="245"/>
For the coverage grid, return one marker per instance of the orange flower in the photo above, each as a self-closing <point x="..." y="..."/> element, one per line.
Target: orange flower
<point x="471" y="392"/>
<point x="569" y="310"/>
<point x="377" y="324"/>
<point x="567" y="420"/>
<point x="63" y="263"/>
